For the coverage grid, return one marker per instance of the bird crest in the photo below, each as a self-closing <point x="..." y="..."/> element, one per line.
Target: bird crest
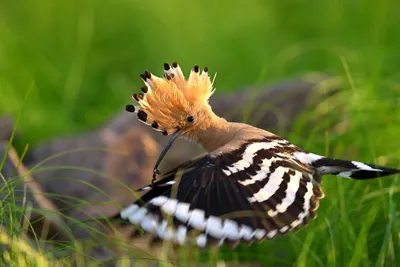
<point x="173" y="102"/>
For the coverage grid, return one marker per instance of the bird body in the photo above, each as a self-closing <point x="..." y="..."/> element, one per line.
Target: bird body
<point x="250" y="185"/>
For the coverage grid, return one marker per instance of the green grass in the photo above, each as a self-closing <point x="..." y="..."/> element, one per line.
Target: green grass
<point x="84" y="58"/>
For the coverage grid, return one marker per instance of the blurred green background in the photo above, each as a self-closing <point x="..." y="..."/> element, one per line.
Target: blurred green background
<point x="82" y="60"/>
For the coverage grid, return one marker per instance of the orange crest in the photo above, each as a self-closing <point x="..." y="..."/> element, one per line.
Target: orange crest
<point x="168" y="103"/>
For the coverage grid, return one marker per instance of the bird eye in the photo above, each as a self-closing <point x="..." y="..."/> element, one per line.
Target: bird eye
<point x="190" y="119"/>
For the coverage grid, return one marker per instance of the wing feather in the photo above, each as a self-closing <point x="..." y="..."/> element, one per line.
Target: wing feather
<point x="230" y="198"/>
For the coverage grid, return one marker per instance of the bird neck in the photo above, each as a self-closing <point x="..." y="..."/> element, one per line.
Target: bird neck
<point x="215" y="135"/>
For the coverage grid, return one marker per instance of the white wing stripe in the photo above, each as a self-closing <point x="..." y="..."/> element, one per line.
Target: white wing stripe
<point x="306" y="206"/>
<point x="127" y="211"/>
<point x="284" y="229"/>
<point x="291" y="191"/>
<point x="180" y="234"/>
<point x="345" y="174"/>
<point x="197" y="219"/>
<point x="260" y="233"/>
<point x="261" y="174"/>
<point x="231" y="229"/>
<point x="306" y="158"/>
<point x="272" y="233"/>
<point x="169" y="207"/>
<point x="214" y="227"/>
<point x="246" y="232"/>
<point x="201" y="240"/>
<point x="182" y="212"/>
<point x="363" y="166"/>
<point x="159" y="201"/>
<point x="149" y="223"/>
<point x="137" y="216"/>
<point x="249" y="154"/>
<point x="271" y="187"/>
<point x="161" y="230"/>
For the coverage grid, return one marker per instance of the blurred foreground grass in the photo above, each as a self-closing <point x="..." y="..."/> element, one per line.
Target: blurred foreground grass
<point x="84" y="58"/>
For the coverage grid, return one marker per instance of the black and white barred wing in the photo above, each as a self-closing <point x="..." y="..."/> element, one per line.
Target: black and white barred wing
<point x="255" y="192"/>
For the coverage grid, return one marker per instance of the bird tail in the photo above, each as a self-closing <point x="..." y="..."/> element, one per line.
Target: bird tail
<point x="346" y="168"/>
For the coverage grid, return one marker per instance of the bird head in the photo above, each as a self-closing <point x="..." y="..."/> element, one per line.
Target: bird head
<point x="173" y="104"/>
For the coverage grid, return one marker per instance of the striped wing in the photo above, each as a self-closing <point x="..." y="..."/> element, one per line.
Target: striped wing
<point x="257" y="191"/>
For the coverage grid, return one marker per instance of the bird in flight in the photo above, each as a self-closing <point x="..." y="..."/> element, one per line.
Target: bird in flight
<point x="251" y="184"/>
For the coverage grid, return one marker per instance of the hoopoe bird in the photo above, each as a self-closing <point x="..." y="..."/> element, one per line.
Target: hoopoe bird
<point x="251" y="184"/>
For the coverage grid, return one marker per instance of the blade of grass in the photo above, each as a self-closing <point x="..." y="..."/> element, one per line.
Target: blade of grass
<point x="361" y="244"/>
<point x="303" y="258"/>
<point x="17" y="121"/>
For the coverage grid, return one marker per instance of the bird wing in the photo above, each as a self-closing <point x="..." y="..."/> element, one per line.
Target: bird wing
<point x="254" y="192"/>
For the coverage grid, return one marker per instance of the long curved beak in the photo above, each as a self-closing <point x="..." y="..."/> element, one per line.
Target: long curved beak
<point x="171" y="140"/>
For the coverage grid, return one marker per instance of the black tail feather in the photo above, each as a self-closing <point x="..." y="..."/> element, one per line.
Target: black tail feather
<point x="352" y="169"/>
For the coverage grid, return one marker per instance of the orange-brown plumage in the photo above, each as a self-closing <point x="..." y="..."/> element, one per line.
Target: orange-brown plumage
<point x="172" y="102"/>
